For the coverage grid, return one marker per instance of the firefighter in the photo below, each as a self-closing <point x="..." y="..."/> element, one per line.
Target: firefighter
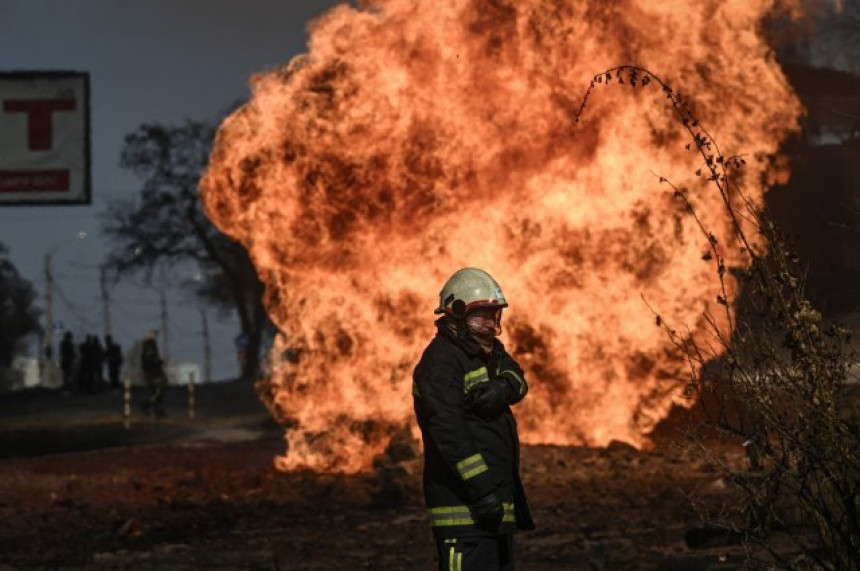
<point x="462" y="389"/>
<point x="153" y="373"/>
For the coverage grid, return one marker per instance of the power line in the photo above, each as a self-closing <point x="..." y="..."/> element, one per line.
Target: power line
<point x="135" y="302"/>
<point x="85" y="323"/>
<point x="73" y="277"/>
<point x="120" y="326"/>
<point x="182" y="328"/>
<point x="62" y="295"/>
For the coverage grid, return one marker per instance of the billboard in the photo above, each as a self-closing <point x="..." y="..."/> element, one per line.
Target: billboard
<point x="44" y="138"/>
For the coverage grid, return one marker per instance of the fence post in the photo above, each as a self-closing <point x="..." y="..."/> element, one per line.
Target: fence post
<point x="191" y="395"/>
<point x="126" y="402"/>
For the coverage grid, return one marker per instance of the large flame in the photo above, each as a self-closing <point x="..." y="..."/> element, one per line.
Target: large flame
<point x="420" y="136"/>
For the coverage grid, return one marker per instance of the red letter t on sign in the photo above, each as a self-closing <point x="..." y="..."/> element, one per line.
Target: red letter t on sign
<point x="40" y="132"/>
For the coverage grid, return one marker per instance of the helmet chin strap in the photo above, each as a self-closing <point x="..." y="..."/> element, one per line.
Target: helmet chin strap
<point x="457" y="323"/>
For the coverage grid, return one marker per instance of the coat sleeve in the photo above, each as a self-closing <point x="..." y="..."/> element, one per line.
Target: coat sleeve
<point x="442" y="401"/>
<point x="510" y="370"/>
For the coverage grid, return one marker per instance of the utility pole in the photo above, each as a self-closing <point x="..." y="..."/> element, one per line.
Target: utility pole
<point x="105" y="302"/>
<point x="207" y="348"/>
<point x="165" y="337"/>
<point x="46" y="355"/>
<point x="46" y="358"/>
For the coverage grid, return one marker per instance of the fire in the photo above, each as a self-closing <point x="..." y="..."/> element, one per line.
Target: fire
<point x="418" y="137"/>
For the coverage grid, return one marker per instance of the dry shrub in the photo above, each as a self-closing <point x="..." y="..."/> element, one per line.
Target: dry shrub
<point x="776" y="379"/>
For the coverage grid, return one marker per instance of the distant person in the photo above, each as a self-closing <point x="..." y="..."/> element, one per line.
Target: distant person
<point x="67" y="359"/>
<point x="114" y="361"/>
<point x="99" y="355"/>
<point x="85" y="365"/>
<point x="241" y="342"/>
<point x="153" y="374"/>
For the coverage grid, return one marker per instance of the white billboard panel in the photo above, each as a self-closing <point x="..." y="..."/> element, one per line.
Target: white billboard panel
<point x="44" y="138"/>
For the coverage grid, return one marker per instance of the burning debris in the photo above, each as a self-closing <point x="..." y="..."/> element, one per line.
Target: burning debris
<point x="418" y="136"/>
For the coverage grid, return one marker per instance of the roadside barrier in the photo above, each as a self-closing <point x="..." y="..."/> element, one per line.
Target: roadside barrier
<point x="126" y="403"/>
<point x="191" y="395"/>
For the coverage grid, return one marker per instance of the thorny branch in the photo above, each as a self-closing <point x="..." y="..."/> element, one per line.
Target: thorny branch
<point x="777" y="379"/>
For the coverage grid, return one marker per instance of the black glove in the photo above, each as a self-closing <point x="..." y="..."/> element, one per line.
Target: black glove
<point x="488" y="511"/>
<point x="489" y="399"/>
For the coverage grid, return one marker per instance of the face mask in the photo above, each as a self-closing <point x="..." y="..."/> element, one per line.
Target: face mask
<point x="484" y="323"/>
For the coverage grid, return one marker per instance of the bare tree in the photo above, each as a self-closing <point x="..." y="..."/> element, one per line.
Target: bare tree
<point x="18" y="316"/>
<point x="165" y="226"/>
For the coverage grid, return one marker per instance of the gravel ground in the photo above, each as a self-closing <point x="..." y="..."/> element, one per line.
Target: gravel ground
<point x="80" y="491"/>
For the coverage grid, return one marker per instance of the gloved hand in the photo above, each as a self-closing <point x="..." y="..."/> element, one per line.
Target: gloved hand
<point x="489" y="399"/>
<point x="488" y="511"/>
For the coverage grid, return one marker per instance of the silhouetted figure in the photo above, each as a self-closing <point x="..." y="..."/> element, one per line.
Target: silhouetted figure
<point x="114" y="361"/>
<point x="67" y="359"/>
<point x="86" y="365"/>
<point x="241" y="342"/>
<point x="153" y="373"/>
<point x="99" y="355"/>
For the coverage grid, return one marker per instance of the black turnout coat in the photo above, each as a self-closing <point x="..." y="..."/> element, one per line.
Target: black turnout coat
<point x="467" y="457"/>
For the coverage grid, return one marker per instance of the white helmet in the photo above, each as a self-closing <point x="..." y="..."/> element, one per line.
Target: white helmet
<point x="467" y="289"/>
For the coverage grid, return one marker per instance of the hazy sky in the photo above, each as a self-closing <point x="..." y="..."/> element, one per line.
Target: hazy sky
<point x="149" y="61"/>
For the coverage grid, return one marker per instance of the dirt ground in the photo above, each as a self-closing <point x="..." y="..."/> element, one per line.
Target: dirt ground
<point x="203" y="494"/>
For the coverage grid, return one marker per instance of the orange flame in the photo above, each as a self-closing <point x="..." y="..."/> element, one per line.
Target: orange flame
<point x="420" y="136"/>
